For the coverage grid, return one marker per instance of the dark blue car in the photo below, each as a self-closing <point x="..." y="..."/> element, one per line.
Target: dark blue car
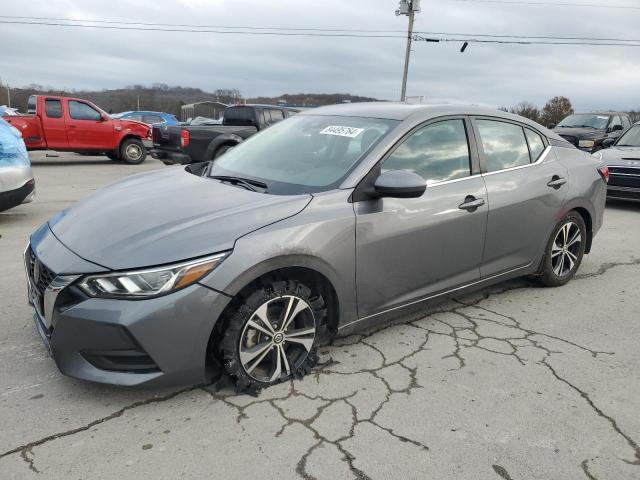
<point x="150" y="118"/>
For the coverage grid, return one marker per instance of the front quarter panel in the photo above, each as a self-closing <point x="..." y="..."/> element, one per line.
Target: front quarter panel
<point x="321" y="237"/>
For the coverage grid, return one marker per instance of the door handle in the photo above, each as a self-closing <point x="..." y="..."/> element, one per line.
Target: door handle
<point x="71" y="126"/>
<point x="556" y="182"/>
<point x="471" y="203"/>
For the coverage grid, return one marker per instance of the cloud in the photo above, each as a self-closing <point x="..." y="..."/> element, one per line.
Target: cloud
<point x="593" y="77"/>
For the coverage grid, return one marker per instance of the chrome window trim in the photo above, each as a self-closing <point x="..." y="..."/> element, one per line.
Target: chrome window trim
<point x="455" y="180"/>
<point x="541" y="159"/>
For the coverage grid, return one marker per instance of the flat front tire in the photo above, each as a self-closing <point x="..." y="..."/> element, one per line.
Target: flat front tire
<point x="132" y="151"/>
<point x="272" y="335"/>
<point x="564" y="251"/>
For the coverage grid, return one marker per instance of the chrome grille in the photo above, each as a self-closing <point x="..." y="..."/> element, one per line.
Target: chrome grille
<point x="41" y="276"/>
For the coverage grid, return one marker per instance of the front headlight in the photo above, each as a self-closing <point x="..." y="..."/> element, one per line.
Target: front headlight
<point x="586" y="143"/>
<point x="149" y="282"/>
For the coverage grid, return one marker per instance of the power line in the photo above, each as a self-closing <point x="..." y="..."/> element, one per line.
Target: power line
<point x="234" y="32"/>
<point x="552" y="4"/>
<point x="516" y="39"/>
<point x="184" y="27"/>
<point x="544" y="37"/>
<point x="189" y="25"/>
<point x="521" y="42"/>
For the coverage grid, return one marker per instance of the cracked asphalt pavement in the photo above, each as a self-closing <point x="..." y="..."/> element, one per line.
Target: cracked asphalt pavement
<point x="513" y="382"/>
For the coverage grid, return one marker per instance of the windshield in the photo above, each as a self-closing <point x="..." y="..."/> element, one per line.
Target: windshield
<point x="304" y="154"/>
<point x="631" y="138"/>
<point x="585" y="120"/>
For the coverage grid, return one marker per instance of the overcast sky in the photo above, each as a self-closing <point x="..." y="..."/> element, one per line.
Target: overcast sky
<point x="592" y="77"/>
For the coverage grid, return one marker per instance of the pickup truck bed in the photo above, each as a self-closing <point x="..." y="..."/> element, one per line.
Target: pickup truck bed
<point x="201" y="143"/>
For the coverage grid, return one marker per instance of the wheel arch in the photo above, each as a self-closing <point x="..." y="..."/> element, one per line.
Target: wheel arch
<point x="275" y="270"/>
<point x="230" y="139"/>
<point x="588" y="222"/>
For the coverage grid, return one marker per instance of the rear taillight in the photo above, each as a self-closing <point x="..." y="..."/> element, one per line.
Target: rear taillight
<point x="604" y="173"/>
<point x="184" y="138"/>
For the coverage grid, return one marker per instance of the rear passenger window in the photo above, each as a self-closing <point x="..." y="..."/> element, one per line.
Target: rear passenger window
<point x="437" y="152"/>
<point x="504" y="145"/>
<point x="53" y="108"/>
<point x="536" y="145"/>
<point x="276" y="115"/>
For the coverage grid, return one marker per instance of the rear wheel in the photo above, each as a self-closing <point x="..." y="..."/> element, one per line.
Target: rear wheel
<point x="132" y="151"/>
<point x="565" y="250"/>
<point x="272" y="335"/>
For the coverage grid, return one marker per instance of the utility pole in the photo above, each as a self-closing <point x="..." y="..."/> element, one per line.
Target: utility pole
<point x="8" y="96"/>
<point x="409" y="8"/>
<point x="138" y="103"/>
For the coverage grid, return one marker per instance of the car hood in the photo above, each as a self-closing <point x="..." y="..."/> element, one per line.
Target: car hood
<point x="166" y="216"/>
<point x="580" y="133"/>
<point x="621" y="156"/>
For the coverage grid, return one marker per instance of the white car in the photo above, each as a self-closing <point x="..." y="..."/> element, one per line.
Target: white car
<point x="16" y="178"/>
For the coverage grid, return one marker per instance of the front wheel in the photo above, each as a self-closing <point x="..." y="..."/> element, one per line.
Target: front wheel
<point x="132" y="151"/>
<point x="564" y="252"/>
<point x="272" y="335"/>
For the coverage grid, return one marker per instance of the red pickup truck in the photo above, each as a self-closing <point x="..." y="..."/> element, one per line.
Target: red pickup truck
<point x="75" y="125"/>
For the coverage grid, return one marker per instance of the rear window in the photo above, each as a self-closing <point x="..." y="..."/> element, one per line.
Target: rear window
<point x="239" y="116"/>
<point x="53" y="108"/>
<point x="152" y="119"/>
<point x="31" y="105"/>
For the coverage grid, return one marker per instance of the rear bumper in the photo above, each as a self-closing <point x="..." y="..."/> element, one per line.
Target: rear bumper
<point x="13" y="198"/>
<point x="170" y="158"/>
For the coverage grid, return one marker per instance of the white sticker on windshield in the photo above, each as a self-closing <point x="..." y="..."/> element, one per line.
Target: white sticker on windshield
<point x="350" y="132"/>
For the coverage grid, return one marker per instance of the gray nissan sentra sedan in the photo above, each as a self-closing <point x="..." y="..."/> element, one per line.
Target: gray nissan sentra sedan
<point x="322" y="224"/>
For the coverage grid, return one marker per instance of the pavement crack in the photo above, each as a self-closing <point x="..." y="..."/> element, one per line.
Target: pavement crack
<point x="500" y="470"/>
<point x="614" y="424"/>
<point x="29" y="457"/>
<point x="26" y="448"/>
<point x="605" y="267"/>
<point x="585" y="469"/>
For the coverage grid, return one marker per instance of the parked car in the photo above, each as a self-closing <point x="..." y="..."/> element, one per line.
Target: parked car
<point x="198" y="143"/>
<point x="587" y="131"/>
<point x="16" y="178"/>
<point x="150" y="118"/>
<point x="325" y="223"/>
<point x="75" y="125"/>
<point x="623" y="159"/>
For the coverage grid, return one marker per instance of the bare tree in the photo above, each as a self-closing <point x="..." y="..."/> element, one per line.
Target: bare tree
<point x="527" y="110"/>
<point x="555" y="110"/>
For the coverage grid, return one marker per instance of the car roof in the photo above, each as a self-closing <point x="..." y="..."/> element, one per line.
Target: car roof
<point x="403" y="111"/>
<point x="601" y="113"/>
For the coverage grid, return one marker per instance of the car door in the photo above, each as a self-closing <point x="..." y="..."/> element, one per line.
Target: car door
<point x="409" y="249"/>
<point x="526" y="188"/>
<point x="55" y="129"/>
<point x="87" y="129"/>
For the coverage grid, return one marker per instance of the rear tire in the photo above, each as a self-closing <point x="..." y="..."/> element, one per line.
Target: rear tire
<point x="132" y="151"/>
<point x="272" y="335"/>
<point x="564" y="251"/>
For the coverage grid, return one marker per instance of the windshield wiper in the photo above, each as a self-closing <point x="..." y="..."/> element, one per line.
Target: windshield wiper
<point x="247" y="183"/>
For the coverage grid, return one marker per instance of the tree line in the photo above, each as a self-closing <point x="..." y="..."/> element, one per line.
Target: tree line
<point x="164" y="98"/>
<point x="553" y="111"/>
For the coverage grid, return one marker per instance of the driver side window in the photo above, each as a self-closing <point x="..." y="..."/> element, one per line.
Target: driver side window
<point x="437" y="152"/>
<point x="82" y="111"/>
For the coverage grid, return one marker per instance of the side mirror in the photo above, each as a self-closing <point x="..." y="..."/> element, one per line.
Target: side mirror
<point x="551" y="126"/>
<point x="607" y="142"/>
<point x="399" y="184"/>
<point x="104" y="118"/>
<point x="616" y="128"/>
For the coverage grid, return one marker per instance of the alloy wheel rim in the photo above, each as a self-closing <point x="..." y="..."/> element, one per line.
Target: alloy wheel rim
<point x="565" y="249"/>
<point x="134" y="152"/>
<point x="277" y="338"/>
